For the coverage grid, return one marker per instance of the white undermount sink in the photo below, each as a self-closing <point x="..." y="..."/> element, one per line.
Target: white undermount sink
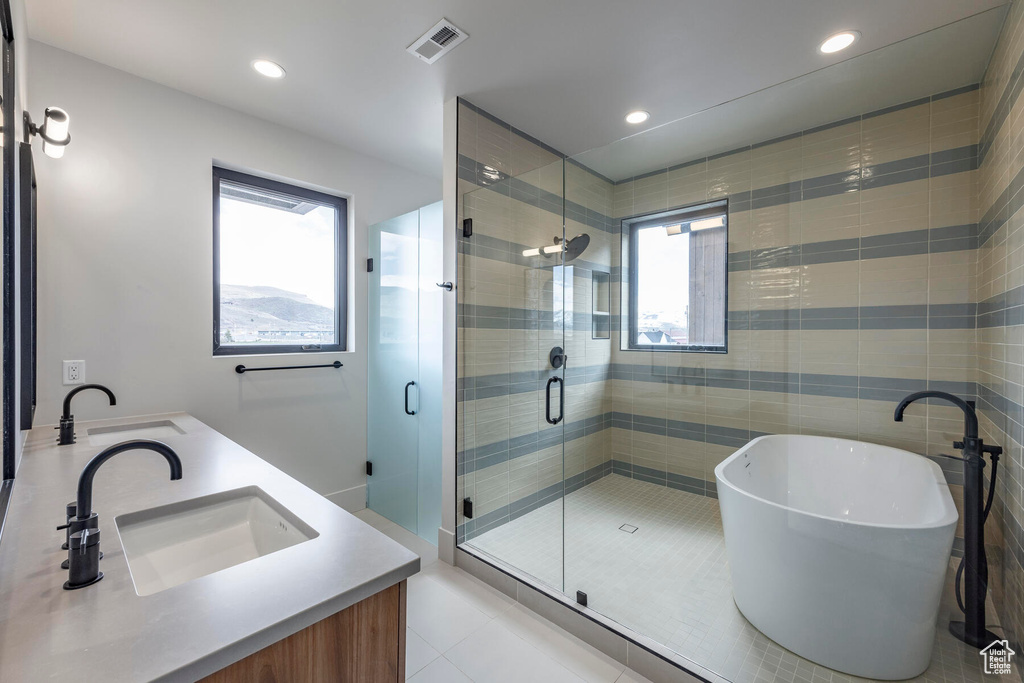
<point x="169" y="545"/>
<point x="155" y="429"/>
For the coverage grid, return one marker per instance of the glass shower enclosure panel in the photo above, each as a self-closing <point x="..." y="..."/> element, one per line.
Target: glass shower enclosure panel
<point x="513" y="288"/>
<point x="404" y="373"/>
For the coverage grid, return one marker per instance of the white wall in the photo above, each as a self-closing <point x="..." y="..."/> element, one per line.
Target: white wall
<point x="125" y="266"/>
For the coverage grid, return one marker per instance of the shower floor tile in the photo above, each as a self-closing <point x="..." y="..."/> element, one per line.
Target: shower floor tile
<point x="669" y="580"/>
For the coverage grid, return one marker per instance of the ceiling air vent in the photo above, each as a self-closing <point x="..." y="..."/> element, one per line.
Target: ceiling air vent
<point x="439" y="40"/>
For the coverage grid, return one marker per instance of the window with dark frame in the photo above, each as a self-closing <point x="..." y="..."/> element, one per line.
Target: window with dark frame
<point x="675" y="290"/>
<point x="279" y="267"/>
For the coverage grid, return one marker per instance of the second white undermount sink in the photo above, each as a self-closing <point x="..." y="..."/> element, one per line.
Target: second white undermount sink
<point x="154" y="429"/>
<point x="169" y="545"/>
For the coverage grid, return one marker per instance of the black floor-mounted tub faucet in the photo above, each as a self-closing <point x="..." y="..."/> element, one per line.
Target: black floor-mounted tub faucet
<point x="974" y="565"/>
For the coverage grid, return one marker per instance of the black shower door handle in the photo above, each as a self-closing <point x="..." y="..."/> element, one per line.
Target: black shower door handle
<point x="407" y="411"/>
<point x="561" y="400"/>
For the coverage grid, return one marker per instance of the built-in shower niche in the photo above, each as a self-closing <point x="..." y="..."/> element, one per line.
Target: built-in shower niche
<point x="600" y="312"/>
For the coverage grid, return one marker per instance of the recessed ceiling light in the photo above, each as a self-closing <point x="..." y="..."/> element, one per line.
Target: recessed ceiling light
<point x="638" y="116"/>
<point x="267" y="68"/>
<point x="839" y="41"/>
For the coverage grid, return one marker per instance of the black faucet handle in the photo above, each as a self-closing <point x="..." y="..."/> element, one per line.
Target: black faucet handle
<point x="84" y="559"/>
<point x="958" y="445"/>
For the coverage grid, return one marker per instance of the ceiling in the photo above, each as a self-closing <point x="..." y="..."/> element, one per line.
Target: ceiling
<point x="565" y="71"/>
<point x="937" y="61"/>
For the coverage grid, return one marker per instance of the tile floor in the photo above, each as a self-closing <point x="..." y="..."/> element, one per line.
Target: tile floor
<point x="463" y="631"/>
<point x="669" y="580"/>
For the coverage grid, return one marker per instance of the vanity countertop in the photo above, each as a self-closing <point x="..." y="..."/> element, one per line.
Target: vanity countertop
<point x="108" y="632"/>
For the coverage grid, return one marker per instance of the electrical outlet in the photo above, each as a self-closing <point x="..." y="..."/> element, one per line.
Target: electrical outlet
<point x="74" y="372"/>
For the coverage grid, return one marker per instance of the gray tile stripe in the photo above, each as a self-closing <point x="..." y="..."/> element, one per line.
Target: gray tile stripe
<point x="910" y="243"/>
<point x="839" y="386"/>
<point x="1008" y="416"/>
<point x="495" y="249"/>
<point x="809" y="131"/>
<point x="1003" y="309"/>
<point x="516" y="188"/>
<point x="909" y="317"/>
<point x="1010" y="199"/>
<point x="919" y="167"/>
<point x="506" y="513"/>
<point x="665" y="478"/>
<point x="957" y="160"/>
<point x="913" y="242"/>
<point x="1003" y="208"/>
<point x="489" y="455"/>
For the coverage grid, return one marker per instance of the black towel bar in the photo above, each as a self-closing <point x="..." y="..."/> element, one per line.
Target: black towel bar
<point x="241" y="369"/>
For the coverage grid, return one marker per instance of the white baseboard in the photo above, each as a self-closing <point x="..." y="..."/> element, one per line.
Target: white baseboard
<point x="446" y="546"/>
<point x="353" y="499"/>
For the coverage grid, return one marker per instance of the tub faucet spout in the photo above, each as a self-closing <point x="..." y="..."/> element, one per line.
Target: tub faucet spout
<point x="970" y="416"/>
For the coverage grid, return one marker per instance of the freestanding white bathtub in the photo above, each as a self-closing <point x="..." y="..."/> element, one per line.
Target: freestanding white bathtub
<point x="839" y="549"/>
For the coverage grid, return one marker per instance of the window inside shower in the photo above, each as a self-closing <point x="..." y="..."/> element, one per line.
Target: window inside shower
<point x="675" y="289"/>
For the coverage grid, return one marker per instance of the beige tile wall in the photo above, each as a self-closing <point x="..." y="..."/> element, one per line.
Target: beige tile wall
<point x="493" y="275"/>
<point x="918" y="279"/>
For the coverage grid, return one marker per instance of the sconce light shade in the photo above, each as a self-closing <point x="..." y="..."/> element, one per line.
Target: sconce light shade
<point x="55" y="132"/>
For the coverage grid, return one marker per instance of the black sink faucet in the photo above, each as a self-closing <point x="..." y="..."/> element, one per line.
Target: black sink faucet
<point x="67" y="420"/>
<point x="84" y="501"/>
<point x="84" y="547"/>
<point x="974" y="565"/>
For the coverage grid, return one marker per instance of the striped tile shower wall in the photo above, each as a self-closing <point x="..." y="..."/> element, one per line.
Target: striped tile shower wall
<point x="852" y="283"/>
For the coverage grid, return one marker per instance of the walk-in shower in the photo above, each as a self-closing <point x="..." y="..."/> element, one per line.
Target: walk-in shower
<point x="791" y="262"/>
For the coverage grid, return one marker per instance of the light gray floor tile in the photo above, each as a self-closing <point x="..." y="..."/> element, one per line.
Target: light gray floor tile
<point x="439" y="616"/>
<point x="441" y="671"/>
<point x="494" y="654"/>
<point x="418" y="653"/>
<point x="670" y="581"/>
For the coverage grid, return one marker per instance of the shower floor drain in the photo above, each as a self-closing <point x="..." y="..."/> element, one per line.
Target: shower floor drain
<point x="628" y="528"/>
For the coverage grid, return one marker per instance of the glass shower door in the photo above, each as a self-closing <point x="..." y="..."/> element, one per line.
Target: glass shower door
<point x="393" y="368"/>
<point x="512" y="398"/>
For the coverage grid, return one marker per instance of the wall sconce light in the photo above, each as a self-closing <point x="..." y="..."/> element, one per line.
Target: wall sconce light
<point x="695" y="226"/>
<point x="572" y="247"/>
<point x="54" y="131"/>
